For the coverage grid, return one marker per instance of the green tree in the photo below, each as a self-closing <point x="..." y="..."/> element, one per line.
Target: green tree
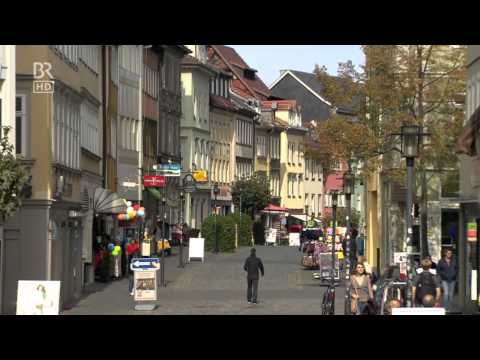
<point x="342" y="218"/>
<point x="13" y="177"/>
<point x="254" y="192"/>
<point x="399" y="85"/>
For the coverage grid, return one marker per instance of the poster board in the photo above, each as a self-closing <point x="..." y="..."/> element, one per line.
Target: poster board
<point x="294" y="239"/>
<point x="38" y="297"/>
<point x="145" y="285"/>
<point x="271" y="236"/>
<point x="196" y="249"/>
<point x="418" y="311"/>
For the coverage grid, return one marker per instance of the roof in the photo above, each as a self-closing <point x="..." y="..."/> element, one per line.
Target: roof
<point x="191" y="61"/>
<point x="281" y="104"/>
<point x="222" y="103"/>
<point x="311" y="82"/>
<point x="234" y="63"/>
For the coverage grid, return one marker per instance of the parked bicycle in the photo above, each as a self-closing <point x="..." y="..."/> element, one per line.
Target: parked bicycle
<point x="328" y="303"/>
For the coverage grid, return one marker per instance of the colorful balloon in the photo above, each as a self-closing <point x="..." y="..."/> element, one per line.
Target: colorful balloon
<point x="136" y="207"/>
<point x="110" y="247"/>
<point x="129" y="203"/>
<point x="141" y="213"/>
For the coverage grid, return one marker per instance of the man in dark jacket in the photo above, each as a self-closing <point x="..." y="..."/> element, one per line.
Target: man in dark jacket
<point x="252" y="265"/>
<point x="447" y="269"/>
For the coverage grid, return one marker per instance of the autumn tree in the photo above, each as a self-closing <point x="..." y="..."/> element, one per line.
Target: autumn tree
<point x="399" y="85"/>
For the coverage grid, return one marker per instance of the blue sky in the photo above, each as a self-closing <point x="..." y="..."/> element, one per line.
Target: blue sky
<point x="270" y="59"/>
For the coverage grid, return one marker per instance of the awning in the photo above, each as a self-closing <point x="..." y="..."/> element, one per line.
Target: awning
<point x="107" y="202"/>
<point x="274" y="208"/>
<point x="466" y="140"/>
<point x="305" y="218"/>
<point x="155" y="193"/>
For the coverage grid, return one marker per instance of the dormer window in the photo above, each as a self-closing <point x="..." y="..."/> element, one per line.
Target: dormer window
<point x="249" y="74"/>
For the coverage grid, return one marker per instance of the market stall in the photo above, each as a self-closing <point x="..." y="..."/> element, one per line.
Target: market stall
<point x="275" y="223"/>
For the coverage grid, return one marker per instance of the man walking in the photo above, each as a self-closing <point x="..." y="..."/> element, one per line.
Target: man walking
<point x="425" y="283"/>
<point x="252" y="265"/>
<point x="447" y="270"/>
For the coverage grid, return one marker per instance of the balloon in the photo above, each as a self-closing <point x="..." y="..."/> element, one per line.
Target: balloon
<point x="142" y="208"/>
<point x="110" y="247"/>
<point x="118" y="248"/>
<point x="129" y="209"/>
<point x="141" y="213"/>
<point x="119" y="216"/>
<point x="126" y="217"/>
<point x="136" y="207"/>
<point x="129" y="203"/>
<point x="131" y="214"/>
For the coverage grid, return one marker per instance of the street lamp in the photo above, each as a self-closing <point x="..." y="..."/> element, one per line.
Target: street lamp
<point x="216" y="190"/>
<point x="348" y="190"/>
<point x="162" y="269"/>
<point x="334" y="195"/>
<point x="180" y="261"/>
<point x="410" y="136"/>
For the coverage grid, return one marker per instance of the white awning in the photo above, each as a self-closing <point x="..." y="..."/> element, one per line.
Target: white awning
<point x="107" y="202"/>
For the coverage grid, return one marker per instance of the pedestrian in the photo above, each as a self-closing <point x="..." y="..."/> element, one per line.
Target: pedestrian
<point x="428" y="301"/>
<point x="133" y="250"/>
<point x="252" y="265"/>
<point x="360" y="289"/>
<point x="360" y="244"/>
<point x="447" y="269"/>
<point x="425" y="283"/>
<point x="393" y="304"/>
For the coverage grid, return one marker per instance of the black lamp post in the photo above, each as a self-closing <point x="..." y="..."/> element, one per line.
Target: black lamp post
<point x="348" y="190"/>
<point x="410" y="135"/>
<point x="334" y="195"/>
<point x="216" y="190"/>
<point x="180" y="261"/>
<point x="162" y="269"/>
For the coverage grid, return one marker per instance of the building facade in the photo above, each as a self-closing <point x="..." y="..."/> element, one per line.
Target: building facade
<point x="469" y="225"/>
<point x="8" y="118"/>
<point x="195" y="131"/>
<point x="170" y="112"/>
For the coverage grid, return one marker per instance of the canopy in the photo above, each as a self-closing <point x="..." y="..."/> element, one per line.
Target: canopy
<point x="155" y="193"/>
<point x="275" y="209"/>
<point x="107" y="202"/>
<point x="305" y="218"/>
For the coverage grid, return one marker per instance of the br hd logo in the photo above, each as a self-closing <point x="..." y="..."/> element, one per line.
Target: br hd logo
<point x="41" y="86"/>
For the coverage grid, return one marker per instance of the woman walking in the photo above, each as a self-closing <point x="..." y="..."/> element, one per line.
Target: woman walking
<point x="360" y="290"/>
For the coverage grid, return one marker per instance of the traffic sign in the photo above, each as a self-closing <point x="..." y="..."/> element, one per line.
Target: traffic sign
<point x="154" y="181"/>
<point x="145" y="264"/>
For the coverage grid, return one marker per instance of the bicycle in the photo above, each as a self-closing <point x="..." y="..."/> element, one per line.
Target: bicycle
<point x="328" y="303"/>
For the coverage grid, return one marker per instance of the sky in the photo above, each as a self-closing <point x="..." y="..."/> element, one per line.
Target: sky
<point x="270" y="59"/>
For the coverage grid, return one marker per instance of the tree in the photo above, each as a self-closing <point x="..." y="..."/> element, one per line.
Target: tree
<point x="403" y="84"/>
<point x="13" y="177"/>
<point x="254" y="192"/>
<point x="342" y="218"/>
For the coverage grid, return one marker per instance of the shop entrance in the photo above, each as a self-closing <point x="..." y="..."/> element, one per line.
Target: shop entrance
<point x="450" y="226"/>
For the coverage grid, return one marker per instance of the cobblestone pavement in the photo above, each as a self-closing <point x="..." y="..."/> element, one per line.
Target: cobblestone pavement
<point x="218" y="286"/>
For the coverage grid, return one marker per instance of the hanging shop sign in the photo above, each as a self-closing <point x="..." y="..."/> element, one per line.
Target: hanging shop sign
<point x="169" y="170"/>
<point x="200" y="176"/>
<point x="472" y="231"/>
<point x="154" y="181"/>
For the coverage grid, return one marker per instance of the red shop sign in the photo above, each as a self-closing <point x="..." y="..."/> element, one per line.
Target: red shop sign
<point x="154" y="181"/>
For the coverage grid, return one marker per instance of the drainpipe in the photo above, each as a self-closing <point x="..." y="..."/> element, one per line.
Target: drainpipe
<point x="105" y="113"/>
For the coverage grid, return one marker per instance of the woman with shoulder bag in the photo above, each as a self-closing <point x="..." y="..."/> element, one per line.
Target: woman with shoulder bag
<point x="361" y="290"/>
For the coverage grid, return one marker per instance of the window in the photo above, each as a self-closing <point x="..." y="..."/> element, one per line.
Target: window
<point x="68" y="53"/>
<point x="335" y="165"/>
<point x="20" y="124"/>
<point x="90" y="56"/>
<point x="66" y="131"/>
<point x="90" y="136"/>
<point x="300" y="180"/>
<point x="312" y="202"/>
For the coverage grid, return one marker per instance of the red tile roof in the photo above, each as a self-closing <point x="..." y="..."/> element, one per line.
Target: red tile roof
<point x="244" y="87"/>
<point x="281" y="104"/>
<point x="222" y="103"/>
